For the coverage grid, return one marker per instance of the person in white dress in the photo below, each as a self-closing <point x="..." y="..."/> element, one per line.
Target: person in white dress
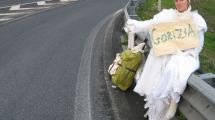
<point x="164" y="78"/>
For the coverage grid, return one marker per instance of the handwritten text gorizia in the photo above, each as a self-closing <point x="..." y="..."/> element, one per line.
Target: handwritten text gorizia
<point x="179" y="33"/>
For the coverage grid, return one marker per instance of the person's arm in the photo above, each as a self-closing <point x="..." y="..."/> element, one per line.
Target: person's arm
<point x="135" y="26"/>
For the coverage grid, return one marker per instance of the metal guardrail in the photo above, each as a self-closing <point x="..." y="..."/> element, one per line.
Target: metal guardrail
<point x="198" y="100"/>
<point x="130" y="13"/>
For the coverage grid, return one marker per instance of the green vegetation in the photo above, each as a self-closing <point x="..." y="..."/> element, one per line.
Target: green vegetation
<point x="126" y="36"/>
<point x="181" y="117"/>
<point x="207" y="10"/>
<point x="123" y="43"/>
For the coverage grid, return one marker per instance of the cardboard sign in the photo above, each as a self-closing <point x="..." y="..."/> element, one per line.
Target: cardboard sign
<point x="179" y="32"/>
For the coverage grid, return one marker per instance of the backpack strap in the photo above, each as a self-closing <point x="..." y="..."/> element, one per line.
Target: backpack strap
<point x="125" y="76"/>
<point x="111" y="67"/>
<point x="127" y="68"/>
<point x="145" y="41"/>
<point x="110" y="77"/>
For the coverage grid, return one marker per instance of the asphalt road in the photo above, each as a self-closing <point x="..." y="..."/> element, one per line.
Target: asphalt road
<point x="4" y="3"/>
<point x="51" y="66"/>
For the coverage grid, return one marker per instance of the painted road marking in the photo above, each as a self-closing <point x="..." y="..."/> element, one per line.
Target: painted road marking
<point x="15" y="7"/>
<point x="43" y="3"/>
<point x="6" y="19"/>
<point x="30" y="8"/>
<point x="19" y="8"/>
<point x="82" y="95"/>
<point x="67" y="0"/>
<point x="5" y="14"/>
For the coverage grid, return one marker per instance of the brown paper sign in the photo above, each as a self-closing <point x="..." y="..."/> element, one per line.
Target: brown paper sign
<point x="179" y="32"/>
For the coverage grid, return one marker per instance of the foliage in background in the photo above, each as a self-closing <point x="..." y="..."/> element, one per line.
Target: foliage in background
<point x="207" y="10"/>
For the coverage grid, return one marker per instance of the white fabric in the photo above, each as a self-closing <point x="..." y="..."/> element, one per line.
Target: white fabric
<point x="166" y="76"/>
<point x="130" y="40"/>
<point x="132" y="27"/>
<point x="138" y="48"/>
<point x="140" y="68"/>
<point x="135" y="26"/>
<point x="113" y="67"/>
<point x="129" y="26"/>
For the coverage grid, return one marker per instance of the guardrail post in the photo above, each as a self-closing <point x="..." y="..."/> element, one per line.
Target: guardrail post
<point x="159" y="5"/>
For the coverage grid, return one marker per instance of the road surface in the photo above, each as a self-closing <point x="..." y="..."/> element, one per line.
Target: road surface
<point x="51" y="65"/>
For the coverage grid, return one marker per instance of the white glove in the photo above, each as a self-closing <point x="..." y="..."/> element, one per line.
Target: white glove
<point x="129" y="26"/>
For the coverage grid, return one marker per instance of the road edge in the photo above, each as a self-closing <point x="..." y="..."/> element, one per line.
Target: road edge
<point x="115" y="24"/>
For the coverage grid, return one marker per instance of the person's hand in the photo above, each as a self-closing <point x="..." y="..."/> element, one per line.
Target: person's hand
<point x="129" y="27"/>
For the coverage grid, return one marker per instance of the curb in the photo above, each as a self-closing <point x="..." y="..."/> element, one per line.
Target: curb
<point x="109" y="36"/>
<point x="108" y="57"/>
<point x="108" y="40"/>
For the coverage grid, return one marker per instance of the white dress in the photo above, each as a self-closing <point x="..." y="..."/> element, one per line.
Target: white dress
<point x="166" y="76"/>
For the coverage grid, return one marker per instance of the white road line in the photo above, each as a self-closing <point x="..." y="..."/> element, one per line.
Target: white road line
<point x="31" y="13"/>
<point x="37" y="2"/>
<point x="15" y="7"/>
<point x="33" y="8"/>
<point x="117" y="11"/>
<point x="5" y="14"/>
<point x="105" y="49"/>
<point x="41" y="3"/>
<point x="82" y="97"/>
<point x="6" y="19"/>
<point x="23" y="9"/>
<point x="67" y="0"/>
<point x="23" y="4"/>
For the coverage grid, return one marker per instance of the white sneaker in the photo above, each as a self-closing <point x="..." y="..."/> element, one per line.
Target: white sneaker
<point x="172" y="110"/>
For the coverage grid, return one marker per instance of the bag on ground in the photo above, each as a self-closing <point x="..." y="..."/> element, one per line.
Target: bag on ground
<point x="124" y="74"/>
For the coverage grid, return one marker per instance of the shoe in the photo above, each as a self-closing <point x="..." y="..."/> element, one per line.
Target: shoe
<point x="172" y="110"/>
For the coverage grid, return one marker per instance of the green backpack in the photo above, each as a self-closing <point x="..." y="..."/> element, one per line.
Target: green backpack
<point x="125" y="72"/>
